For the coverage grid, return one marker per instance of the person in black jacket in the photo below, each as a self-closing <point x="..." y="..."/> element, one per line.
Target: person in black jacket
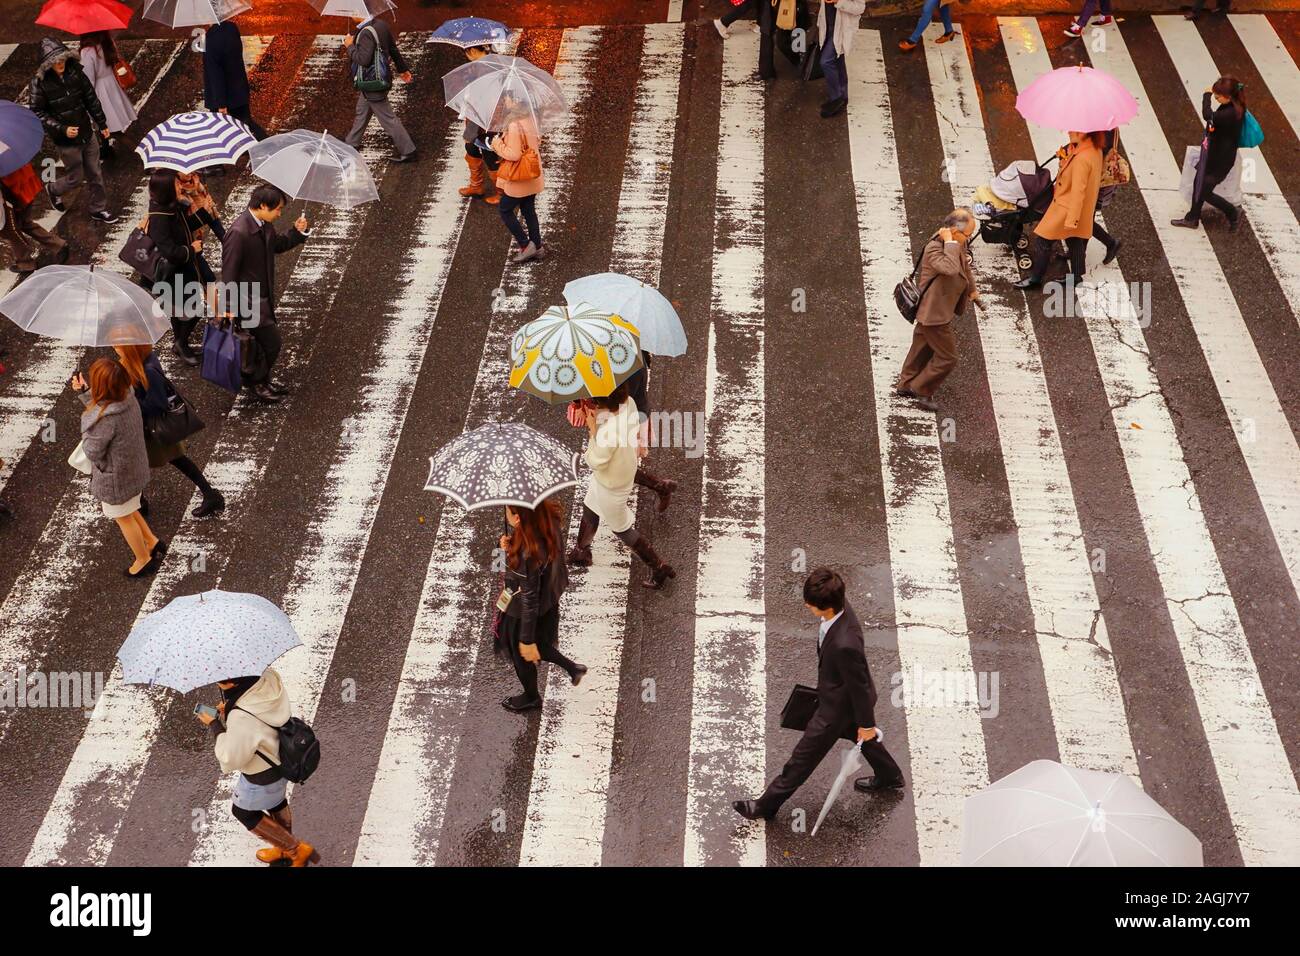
<point x="535" y="577"/>
<point x="846" y="702"/>
<point x="1218" y="150"/>
<point x="370" y="41"/>
<point x="64" y="99"/>
<point x="225" y="78"/>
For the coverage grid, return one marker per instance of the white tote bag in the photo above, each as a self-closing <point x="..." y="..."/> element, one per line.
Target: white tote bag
<point x="1229" y="189"/>
<point x="78" y="460"/>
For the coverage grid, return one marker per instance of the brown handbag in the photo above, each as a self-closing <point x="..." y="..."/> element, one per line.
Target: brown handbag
<point x="527" y="166"/>
<point x="125" y="75"/>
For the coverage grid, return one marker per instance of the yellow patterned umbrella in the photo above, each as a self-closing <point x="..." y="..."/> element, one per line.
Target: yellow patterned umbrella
<point x="571" y="353"/>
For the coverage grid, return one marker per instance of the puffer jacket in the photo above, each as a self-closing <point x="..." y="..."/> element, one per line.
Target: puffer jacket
<point x="67" y="100"/>
<point x="251" y="729"/>
<point x="114" y="443"/>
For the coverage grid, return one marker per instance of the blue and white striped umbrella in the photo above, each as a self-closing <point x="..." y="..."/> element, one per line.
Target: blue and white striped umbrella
<point x="192" y="141"/>
<point x="466" y="32"/>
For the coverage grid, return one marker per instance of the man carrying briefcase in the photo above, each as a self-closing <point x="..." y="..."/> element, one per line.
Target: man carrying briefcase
<point x="845" y="706"/>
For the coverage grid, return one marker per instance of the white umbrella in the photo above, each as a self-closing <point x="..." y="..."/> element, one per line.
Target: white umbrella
<point x="193" y="13"/>
<point x="352" y="8"/>
<point x="200" y="639"/>
<point x="1046" y="814"/>
<point x="494" y="90"/>
<point x="315" y="167"/>
<point x="191" y="141"/>
<point x="82" y="305"/>
<point x="644" y="306"/>
<point x="850" y="763"/>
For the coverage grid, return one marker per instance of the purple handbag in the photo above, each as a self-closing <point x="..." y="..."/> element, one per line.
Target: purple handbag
<point x="221" y="356"/>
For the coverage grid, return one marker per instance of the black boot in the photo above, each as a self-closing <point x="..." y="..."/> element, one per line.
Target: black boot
<point x="659" y="570"/>
<point x="181" y="331"/>
<point x="663" y="487"/>
<point x="580" y="554"/>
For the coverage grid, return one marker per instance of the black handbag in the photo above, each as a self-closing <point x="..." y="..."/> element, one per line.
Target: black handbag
<point x="142" y="254"/>
<point x="907" y="295"/>
<point x="180" y="422"/>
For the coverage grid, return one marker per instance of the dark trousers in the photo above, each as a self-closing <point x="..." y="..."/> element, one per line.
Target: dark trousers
<point x="833" y="68"/>
<point x="1199" y="5"/>
<point x="21" y="225"/>
<point x="81" y="165"/>
<point x="735" y="13"/>
<point x="1090" y="7"/>
<point x="526" y="671"/>
<point x="1042" y="254"/>
<point x="1203" y="192"/>
<point x="527" y="205"/>
<point x="242" y="114"/>
<point x="267" y="335"/>
<point x="812" y="747"/>
<point x="766" y="41"/>
<point x="1101" y="235"/>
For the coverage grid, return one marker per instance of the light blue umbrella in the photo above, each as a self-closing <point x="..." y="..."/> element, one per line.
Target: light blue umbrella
<point x="466" y="32"/>
<point x="642" y="305"/>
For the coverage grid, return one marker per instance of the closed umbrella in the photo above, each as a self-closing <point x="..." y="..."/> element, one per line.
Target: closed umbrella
<point x="82" y="305"/>
<point x="21" y="135"/>
<point x="644" y="306"/>
<point x="200" y="639"/>
<point x="1047" y="814"/>
<point x="502" y="463"/>
<point x="1077" y="98"/>
<point x="571" y="353"/>
<point x="315" y="167"/>
<point x="84" y="16"/>
<point x="494" y="90"/>
<point x="193" y="13"/>
<point x="851" y="761"/>
<point x="466" y="32"/>
<point x="192" y="141"/>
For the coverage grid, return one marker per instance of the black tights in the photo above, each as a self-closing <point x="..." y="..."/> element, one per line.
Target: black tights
<point x="1042" y="254"/>
<point x="526" y="671"/>
<point x="628" y="537"/>
<point x="251" y="818"/>
<point x="185" y="465"/>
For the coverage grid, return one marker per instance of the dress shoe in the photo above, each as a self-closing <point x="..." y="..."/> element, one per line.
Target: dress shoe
<point x="874" y="784"/>
<point x="1185" y="223"/>
<point x="834" y="107"/>
<point x="265" y="395"/>
<point x="159" y="549"/>
<point x="277" y="388"/>
<point x="749" y="809"/>
<point x="521" y="703"/>
<point x="210" y="505"/>
<point x="1112" y="252"/>
<point x="1235" y="222"/>
<point x="405" y="157"/>
<point x="55" y="201"/>
<point x="23" y="268"/>
<point x="1028" y="282"/>
<point x="907" y="46"/>
<point x="148" y="570"/>
<point x="579" y="672"/>
<point x="185" y="355"/>
<point x="946" y="37"/>
<point x="905" y="393"/>
<point x="928" y="403"/>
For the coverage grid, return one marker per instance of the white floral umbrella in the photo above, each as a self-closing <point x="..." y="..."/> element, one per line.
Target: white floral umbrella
<point x="571" y="353"/>
<point x="502" y="463"/>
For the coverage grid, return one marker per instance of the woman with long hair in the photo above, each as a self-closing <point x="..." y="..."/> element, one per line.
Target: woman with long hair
<point x="613" y="427"/>
<point x="171" y="225"/>
<point x="520" y="195"/>
<point x="1224" y="108"/>
<point x="534" y="579"/>
<point x="153" y="391"/>
<point x="101" y="61"/>
<point x="112" y="438"/>
<point x="1074" y="205"/>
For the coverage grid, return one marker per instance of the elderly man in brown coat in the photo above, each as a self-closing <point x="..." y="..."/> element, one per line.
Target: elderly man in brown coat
<point x="947" y="286"/>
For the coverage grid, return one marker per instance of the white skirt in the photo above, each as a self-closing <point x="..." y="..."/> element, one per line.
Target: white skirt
<point x="610" y="505"/>
<point x="122" y="510"/>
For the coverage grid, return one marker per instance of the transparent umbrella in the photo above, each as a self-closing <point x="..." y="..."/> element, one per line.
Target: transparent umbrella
<point x="352" y="8"/>
<point x="82" y="305"/>
<point x="494" y="90"/>
<point x="193" y="13"/>
<point x="314" y="167"/>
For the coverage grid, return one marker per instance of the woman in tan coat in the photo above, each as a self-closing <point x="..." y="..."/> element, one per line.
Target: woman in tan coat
<point x="1074" y="203"/>
<point x="519" y="138"/>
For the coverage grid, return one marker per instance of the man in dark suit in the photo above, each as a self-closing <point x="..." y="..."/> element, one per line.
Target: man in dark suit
<point x="846" y="701"/>
<point x="248" y="252"/>
<point x="366" y="44"/>
<point x="225" y="80"/>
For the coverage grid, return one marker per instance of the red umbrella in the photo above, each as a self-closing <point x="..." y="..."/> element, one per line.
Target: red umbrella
<point x="84" y="16"/>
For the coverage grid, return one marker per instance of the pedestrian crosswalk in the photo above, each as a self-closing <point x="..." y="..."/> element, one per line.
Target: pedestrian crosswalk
<point x="1118" y="552"/>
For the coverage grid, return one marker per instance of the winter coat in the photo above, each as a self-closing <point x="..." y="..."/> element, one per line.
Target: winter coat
<point x="225" y="78"/>
<point x="114" y="443"/>
<point x="847" y="15"/>
<point x="118" y="111"/>
<point x="1222" y="134"/>
<point x="67" y="100"/>
<point x="510" y="147"/>
<point x="251" y="727"/>
<point x="1074" y="198"/>
<point x="944" y="298"/>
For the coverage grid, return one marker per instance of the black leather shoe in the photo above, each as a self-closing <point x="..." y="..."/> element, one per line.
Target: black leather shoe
<point x="521" y="703"/>
<point x="1112" y="252"/>
<point x="404" y="157"/>
<point x="265" y="395"/>
<point x="277" y="388"/>
<point x="749" y="809"/>
<point x="905" y="393"/>
<point x="185" y="355"/>
<point x="55" y="201"/>
<point x="210" y="505"/>
<point x="159" y="549"/>
<point x="834" y="107"/>
<point x="579" y="672"/>
<point x="875" y="784"/>
<point x="148" y="570"/>
<point x="1185" y="223"/>
<point x="1235" y="221"/>
<point x="1028" y="283"/>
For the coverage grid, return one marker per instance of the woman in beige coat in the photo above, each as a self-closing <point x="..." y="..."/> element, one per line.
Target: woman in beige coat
<point x="1074" y="204"/>
<point x="520" y="195"/>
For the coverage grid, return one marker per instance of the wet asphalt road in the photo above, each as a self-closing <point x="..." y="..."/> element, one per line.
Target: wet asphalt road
<point x="358" y="432"/>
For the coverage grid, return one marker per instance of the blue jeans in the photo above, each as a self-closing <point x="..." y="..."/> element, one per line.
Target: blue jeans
<point x="927" y="14"/>
<point x="1089" y="7"/>
<point x="837" y="78"/>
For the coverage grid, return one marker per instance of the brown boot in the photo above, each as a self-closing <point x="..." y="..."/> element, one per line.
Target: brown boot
<point x="492" y="196"/>
<point x="273" y="854"/>
<point x="292" y="848"/>
<point x="663" y="487"/>
<point x="660" y="571"/>
<point x="477" y="181"/>
<point x="580" y="554"/>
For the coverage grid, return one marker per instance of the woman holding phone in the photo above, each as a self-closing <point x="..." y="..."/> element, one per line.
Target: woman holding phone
<point x="1224" y="108"/>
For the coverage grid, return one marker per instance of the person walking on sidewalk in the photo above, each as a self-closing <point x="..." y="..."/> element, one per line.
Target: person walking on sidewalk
<point x="225" y="77"/>
<point x="248" y="252"/>
<point x="520" y="150"/>
<point x="18" y="192"/>
<point x="528" y="627"/>
<point x="482" y="162"/>
<point x="1224" y="108"/>
<point x="154" y="391"/>
<point x="112" y="439"/>
<point x="101" y="61"/>
<point x="927" y="14"/>
<point x="947" y="284"/>
<point x="247" y="740"/>
<point x="846" y="703"/>
<point x="373" y="53"/>
<point x="64" y="99"/>
<point x="613" y="426"/>
<point x="837" y="23"/>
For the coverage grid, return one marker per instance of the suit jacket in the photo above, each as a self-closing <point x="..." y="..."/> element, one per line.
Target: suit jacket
<point x="846" y="696"/>
<point x="1074" y="198"/>
<point x="948" y="295"/>
<point x="225" y="80"/>
<point x="248" y="251"/>
<point x="1223" y="134"/>
<point x="363" y="51"/>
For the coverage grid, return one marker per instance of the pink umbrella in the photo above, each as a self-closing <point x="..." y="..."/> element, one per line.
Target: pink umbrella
<point x="1077" y="98"/>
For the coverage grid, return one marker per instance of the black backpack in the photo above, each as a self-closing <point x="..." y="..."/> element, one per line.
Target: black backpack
<point x="299" y="748"/>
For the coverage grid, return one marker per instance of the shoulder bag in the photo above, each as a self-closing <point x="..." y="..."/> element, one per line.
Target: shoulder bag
<point x="907" y="295"/>
<point x="142" y="254"/>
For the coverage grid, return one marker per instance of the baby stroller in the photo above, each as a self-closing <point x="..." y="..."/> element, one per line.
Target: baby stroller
<point x="1017" y="198"/>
